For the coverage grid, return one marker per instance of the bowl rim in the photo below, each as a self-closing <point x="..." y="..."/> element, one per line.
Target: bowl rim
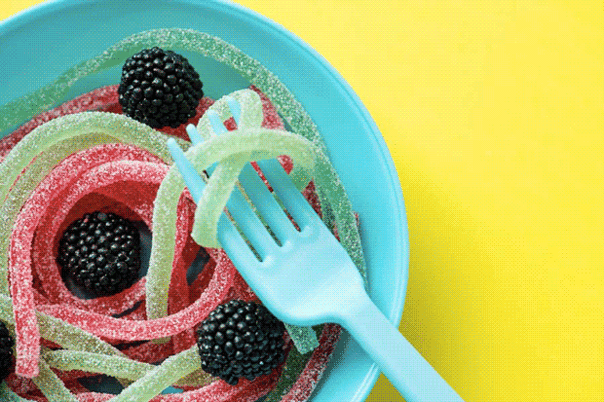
<point x="396" y="306"/>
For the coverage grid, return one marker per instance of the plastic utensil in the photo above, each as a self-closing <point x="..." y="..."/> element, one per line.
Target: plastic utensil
<point x="335" y="109"/>
<point x="306" y="277"/>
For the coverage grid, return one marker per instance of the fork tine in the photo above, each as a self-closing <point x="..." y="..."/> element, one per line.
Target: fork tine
<point x="294" y="201"/>
<point x="194" y="182"/>
<point x="235" y="108"/>
<point x="194" y="135"/>
<point x="249" y="223"/>
<point x="216" y="123"/>
<point x="196" y="185"/>
<point x="266" y="204"/>
<point x="238" y="251"/>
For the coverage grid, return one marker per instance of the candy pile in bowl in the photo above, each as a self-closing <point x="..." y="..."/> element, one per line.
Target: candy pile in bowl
<point x="102" y="286"/>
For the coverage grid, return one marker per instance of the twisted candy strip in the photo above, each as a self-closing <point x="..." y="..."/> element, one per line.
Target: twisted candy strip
<point x="210" y="46"/>
<point x="41" y="140"/>
<point x="191" y="40"/>
<point x="98" y="173"/>
<point x="232" y="149"/>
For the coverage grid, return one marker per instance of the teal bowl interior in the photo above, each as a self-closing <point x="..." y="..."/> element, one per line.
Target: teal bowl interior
<point x="39" y="44"/>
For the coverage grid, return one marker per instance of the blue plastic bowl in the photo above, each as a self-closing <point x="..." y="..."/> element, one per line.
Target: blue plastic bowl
<point x="42" y="42"/>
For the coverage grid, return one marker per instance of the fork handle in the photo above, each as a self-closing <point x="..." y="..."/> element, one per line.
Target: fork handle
<point x="406" y="369"/>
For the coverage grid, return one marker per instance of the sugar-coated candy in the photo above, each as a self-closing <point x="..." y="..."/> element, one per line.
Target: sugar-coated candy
<point x="51" y="195"/>
<point x="84" y="328"/>
<point x="40" y="140"/>
<point x="157" y="284"/>
<point x="250" y="111"/>
<point x="21" y="277"/>
<point x="115" y="366"/>
<point x="216" y="48"/>
<point x="73" y="197"/>
<point x="154" y="381"/>
<point x="315" y="367"/>
<point x="123" y="329"/>
<point x="51" y="386"/>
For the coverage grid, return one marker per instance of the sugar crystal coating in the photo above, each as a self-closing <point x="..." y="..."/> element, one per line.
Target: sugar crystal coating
<point x="216" y="48"/>
<point x="257" y="74"/>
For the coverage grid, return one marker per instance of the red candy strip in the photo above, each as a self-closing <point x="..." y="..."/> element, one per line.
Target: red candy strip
<point x="59" y="182"/>
<point x="115" y="328"/>
<point x="26" y="325"/>
<point x="27" y="334"/>
<point x="315" y="367"/>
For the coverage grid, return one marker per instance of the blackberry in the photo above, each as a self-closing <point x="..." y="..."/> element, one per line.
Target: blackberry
<point x="240" y="340"/>
<point x="159" y="88"/>
<point x="101" y="253"/>
<point x="6" y="352"/>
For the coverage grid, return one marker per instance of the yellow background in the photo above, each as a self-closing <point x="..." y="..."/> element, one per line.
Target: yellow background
<point x="493" y="112"/>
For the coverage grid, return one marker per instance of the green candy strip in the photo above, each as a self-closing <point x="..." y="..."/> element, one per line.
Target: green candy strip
<point x="160" y="377"/>
<point x="209" y="46"/>
<point x="20" y="192"/>
<point x="60" y="332"/>
<point x="51" y="386"/>
<point x="7" y="395"/>
<point x="26" y="107"/>
<point x="304" y="338"/>
<point x="114" y="366"/>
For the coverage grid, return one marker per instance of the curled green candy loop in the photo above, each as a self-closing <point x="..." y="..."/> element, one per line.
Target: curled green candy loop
<point x="243" y="144"/>
<point x="229" y="144"/>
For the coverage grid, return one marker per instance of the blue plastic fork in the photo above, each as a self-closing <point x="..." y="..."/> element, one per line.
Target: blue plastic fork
<point x="307" y="278"/>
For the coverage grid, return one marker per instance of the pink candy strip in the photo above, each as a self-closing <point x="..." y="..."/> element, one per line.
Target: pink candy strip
<point x="26" y="325"/>
<point x="116" y="328"/>
<point x="50" y="195"/>
<point x="20" y="271"/>
<point x="27" y="334"/>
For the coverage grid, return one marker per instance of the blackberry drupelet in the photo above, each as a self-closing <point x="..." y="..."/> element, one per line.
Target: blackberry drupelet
<point x="159" y="88"/>
<point x="240" y="340"/>
<point x="6" y="352"/>
<point x="101" y="253"/>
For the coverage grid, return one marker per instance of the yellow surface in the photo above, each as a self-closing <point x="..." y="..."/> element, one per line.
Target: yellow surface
<point x="494" y="114"/>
